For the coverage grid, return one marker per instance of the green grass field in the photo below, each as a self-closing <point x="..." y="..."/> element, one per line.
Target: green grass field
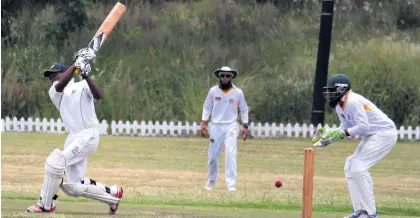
<point x="163" y="177"/>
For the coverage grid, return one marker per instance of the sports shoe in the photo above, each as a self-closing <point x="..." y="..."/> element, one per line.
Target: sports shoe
<point x="38" y="208"/>
<point x="210" y="185"/>
<point x="369" y="216"/>
<point x="231" y="189"/>
<point x="114" y="207"/>
<point x="357" y="214"/>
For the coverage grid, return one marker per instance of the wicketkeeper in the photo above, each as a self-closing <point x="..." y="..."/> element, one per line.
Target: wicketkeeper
<point x="359" y="116"/>
<point x="75" y="101"/>
<point x="222" y="103"/>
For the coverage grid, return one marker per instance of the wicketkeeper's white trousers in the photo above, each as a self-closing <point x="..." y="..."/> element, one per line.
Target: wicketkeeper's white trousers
<point x="370" y="151"/>
<point x="77" y="148"/>
<point x="223" y="135"/>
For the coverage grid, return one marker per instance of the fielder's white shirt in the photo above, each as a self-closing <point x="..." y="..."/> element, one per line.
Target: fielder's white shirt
<point x="223" y="106"/>
<point x="76" y="105"/>
<point x="362" y="117"/>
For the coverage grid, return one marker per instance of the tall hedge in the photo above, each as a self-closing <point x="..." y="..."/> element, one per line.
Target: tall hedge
<point x="157" y="64"/>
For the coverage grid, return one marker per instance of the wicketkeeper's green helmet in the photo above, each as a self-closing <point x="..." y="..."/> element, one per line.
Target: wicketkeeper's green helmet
<point x="337" y="86"/>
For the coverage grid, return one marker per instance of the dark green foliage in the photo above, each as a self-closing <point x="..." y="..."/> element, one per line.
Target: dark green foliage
<point x="157" y="63"/>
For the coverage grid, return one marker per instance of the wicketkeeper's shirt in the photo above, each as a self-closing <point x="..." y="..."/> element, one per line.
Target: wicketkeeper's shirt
<point x="76" y="105"/>
<point x="362" y="117"/>
<point x="223" y="106"/>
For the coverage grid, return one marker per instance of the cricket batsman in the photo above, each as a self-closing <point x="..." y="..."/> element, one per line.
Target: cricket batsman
<point x="222" y="103"/>
<point x="75" y="101"/>
<point x="359" y="116"/>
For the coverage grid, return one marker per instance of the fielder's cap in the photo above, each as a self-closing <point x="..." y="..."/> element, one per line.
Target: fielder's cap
<point x="56" y="68"/>
<point x="217" y="72"/>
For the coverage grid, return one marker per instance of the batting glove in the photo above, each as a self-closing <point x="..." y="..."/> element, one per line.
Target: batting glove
<point x="84" y="66"/>
<point x="86" y="53"/>
<point x="332" y="136"/>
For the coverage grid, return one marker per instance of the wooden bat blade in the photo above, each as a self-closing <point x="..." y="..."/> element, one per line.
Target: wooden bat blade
<point x="109" y="23"/>
<point x="106" y="28"/>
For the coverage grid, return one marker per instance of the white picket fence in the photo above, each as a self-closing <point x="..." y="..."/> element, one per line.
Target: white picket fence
<point x="177" y="129"/>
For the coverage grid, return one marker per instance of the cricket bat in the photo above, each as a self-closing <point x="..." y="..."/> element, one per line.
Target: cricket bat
<point x="106" y="28"/>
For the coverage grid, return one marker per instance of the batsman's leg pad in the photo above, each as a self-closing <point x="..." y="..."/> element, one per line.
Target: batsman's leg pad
<point x="108" y="189"/>
<point x="54" y="173"/>
<point x="88" y="191"/>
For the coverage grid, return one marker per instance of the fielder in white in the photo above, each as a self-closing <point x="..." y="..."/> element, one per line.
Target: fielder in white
<point x="359" y="116"/>
<point x="222" y="103"/>
<point x="75" y="101"/>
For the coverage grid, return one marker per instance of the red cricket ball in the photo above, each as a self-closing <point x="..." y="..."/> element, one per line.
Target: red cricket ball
<point x="278" y="184"/>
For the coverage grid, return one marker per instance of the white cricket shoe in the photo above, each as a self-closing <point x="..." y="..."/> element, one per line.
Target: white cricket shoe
<point x="114" y="207"/>
<point x="357" y="214"/>
<point x="369" y="216"/>
<point x="38" y="208"/>
<point x="231" y="189"/>
<point x="210" y="185"/>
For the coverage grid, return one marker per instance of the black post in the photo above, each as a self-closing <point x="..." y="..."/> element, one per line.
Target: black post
<point x="321" y="77"/>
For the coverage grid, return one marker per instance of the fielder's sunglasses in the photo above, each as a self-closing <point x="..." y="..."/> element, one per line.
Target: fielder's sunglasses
<point x="225" y="75"/>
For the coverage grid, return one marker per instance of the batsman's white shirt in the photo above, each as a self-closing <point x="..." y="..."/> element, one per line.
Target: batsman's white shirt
<point x="77" y="110"/>
<point x="361" y="117"/>
<point x="223" y="106"/>
<point x="76" y="105"/>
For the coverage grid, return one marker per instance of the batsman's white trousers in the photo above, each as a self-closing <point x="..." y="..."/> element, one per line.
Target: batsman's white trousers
<point x="370" y="151"/>
<point x="223" y="135"/>
<point x="77" y="148"/>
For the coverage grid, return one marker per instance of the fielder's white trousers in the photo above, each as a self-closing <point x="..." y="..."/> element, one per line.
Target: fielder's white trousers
<point x="370" y="151"/>
<point x="223" y="135"/>
<point x="77" y="148"/>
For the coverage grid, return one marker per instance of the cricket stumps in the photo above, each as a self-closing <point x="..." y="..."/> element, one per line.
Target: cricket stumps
<point x="308" y="182"/>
